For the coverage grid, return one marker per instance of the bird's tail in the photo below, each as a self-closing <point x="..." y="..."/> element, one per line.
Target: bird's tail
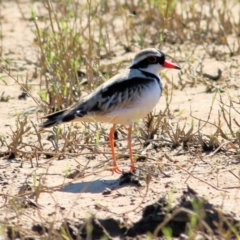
<point x="53" y="119"/>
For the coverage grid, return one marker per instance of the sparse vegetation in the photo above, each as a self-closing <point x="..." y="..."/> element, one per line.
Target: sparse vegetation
<point x="73" y="47"/>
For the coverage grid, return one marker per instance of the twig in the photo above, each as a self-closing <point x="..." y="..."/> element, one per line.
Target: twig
<point x="218" y="189"/>
<point x="148" y="179"/>
<point x="234" y="175"/>
<point x="211" y="155"/>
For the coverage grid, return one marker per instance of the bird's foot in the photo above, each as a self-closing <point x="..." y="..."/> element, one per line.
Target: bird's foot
<point x="116" y="169"/>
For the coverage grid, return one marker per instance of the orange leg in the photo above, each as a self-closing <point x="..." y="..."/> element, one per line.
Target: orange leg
<point x="132" y="167"/>
<point x="115" y="168"/>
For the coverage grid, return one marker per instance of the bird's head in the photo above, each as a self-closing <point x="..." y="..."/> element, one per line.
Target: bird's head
<point x="151" y="60"/>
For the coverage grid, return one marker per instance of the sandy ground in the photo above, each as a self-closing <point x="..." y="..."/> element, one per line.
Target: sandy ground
<point x="212" y="175"/>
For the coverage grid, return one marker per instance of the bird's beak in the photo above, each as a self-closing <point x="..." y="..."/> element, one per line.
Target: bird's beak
<point x="168" y="64"/>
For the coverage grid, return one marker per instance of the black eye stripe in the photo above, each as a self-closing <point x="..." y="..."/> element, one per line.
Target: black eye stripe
<point x="161" y="59"/>
<point x="152" y="59"/>
<point x="149" y="60"/>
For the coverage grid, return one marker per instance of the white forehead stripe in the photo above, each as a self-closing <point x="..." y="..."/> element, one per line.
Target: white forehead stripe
<point x="145" y="53"/>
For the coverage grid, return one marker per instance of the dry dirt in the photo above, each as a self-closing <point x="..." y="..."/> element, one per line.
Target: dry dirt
<point x="213" y="176"/>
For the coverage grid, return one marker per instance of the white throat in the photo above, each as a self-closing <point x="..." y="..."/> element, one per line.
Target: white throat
<point x="154" y="69"/>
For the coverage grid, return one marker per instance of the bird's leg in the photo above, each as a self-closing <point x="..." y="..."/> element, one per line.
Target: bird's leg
<point x="115" y="168"/>
<point x="132" y="167"/>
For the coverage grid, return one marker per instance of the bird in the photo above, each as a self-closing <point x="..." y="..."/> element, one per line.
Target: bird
<point x="123" y="99"/>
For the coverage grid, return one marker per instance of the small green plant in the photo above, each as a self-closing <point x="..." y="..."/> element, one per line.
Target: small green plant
<point x="167" y="233"/>
<point x="80" y="45"/>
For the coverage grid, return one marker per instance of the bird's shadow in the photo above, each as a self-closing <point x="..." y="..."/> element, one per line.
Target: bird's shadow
<point x="100" y="185"/>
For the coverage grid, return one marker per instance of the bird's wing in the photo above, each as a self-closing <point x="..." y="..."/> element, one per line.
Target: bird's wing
<point x="121" y="91"/>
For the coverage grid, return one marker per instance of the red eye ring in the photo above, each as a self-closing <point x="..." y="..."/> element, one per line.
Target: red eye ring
<point x="152" y="59"/>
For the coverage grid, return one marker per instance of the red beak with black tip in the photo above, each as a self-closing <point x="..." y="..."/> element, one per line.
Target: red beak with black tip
<point x="168" y="64"/>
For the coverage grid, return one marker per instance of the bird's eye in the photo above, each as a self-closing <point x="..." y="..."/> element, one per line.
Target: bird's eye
<point x="152" y="59"/>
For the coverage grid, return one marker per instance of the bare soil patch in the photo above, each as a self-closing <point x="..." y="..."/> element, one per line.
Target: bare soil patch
<point x="57" y="183"/>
